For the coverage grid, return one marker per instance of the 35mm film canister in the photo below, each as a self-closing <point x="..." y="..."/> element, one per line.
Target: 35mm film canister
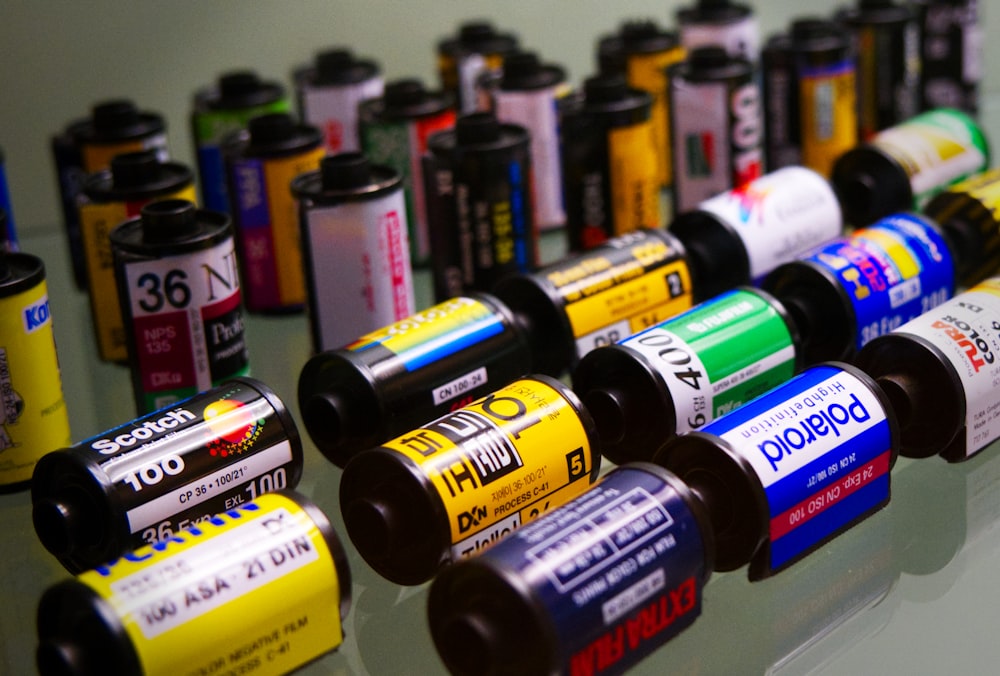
<point x="740" y="235"/>
<point x="884" y="35"/>
<point x="479" y="205"/>
<point x="144" y="481"/>
<point x="394" y="130"/>
<point x="33" y="417"/>
<point x="940" y="371"/>
<point x="86" y="146"/>
<point x="969" y="215"/>
<point x="599" y="296"/>
<point x="792" y="469"/>
<point x="591" y="587"/>
<point x="902" y="167"/>
<point x="409" y="372"/>
<point x="261" y="163"/>
<point x="220" y="110"/>
<point x="329" y="92"/>
<point x="453" y="486"/>
<point x="720" y="23"/>
<point x="648" y="51"/>
<point x="862" y="285"/>
<point x="717" y="126"/>
<point x="951" y="57"/>
<point x="179" y="287"/>
<point x="356" y="248"/>
<point x="462" y="59"/>
<point x="809" y="96"/>
<point x="109" y="198"/>
<point x="527" y="95"/>
<point x="200" y="601"/>
<point x="686" y="371"/>
<point x="609" y="163"/>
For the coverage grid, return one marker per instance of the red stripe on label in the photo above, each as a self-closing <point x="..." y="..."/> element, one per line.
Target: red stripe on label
<point x="830" y="495"/>
<point x="397" y="263"/>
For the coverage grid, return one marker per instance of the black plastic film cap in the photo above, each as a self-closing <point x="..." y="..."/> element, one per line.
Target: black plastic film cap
<point x="237" y="84"/>
<point x="470" y="643"/>
<point x="376" y="526"/>
<point x="109" y="116"/>
<point x="271" y="128"/>
<point x="472" y="33"/>
<point x="524" y="70"/>
<point x="405" y="92"/>
<point x="345" y="171"/>
<point x="323" y="415"/>
<point x="709" y="56"/>
<point x="134" y="170"/>
<point x="477" y="128"/>
<point x="609" y="407"/>
<point x="339" y="65"/>
<point x="605" y="89"/>
<point x="59" y="524"/>
<point x="645" y="35"/>
<point x="167" y="220"/>
<point x="59" y="657"/>
<point x="329" y="62"/>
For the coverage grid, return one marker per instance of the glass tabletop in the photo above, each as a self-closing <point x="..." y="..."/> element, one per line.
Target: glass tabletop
<point x="913" y="589"/>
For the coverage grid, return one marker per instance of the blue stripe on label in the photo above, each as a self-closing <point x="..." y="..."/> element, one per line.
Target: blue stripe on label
<point x="250" y="199"/>
<point x="853" y="453"/>
<point x="211" y="169"/>
<point x="518" y="210"/>
<point x="442" y="347"/>
<point x="871" y="279"/>
<point x="829" y="522"/>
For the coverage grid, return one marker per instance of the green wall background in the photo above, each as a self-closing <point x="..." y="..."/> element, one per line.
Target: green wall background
<point x="59" y="57"/>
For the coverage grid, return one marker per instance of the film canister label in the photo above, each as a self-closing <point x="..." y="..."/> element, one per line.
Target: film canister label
<point x="187" y="323"/>
<point x="966" y="333"/>
<point x="717" y="126"/>
<point x="210" y="128"/>
<point x="267" y="214"/>
<point x="156" y="493"/>
<point x="778" y="216"/>
<point x="502" y="461"/>
<point x="969" y="212"/>
<point x="594" y="586"/>
<point x="828" y="113"/>
<point x="935" y="149"/>
<point x="709" y="373"/>
<point x="821" y="447"/>
<point x="33" y="416"/>
<point x="892" y="272"/>
<point x="620" y="288"/>
<point x="401" y="145"/>
<point x="97" y="221"/>
<point x="192" y="603"/>
<point x="433" y="336"/>
<point x="149" y="478"/>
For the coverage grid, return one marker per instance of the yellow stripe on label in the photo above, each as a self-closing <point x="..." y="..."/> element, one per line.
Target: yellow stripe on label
<point x="635" y="200"/>
<point x="508" y="457"/>
<point x="648" y="72"/>
<point x="991" y="285"/>
<point x="900" y="254"/>
<point x="610" y="300"/>
<point x="254" y="590"/>
<point x="278" y="175"/>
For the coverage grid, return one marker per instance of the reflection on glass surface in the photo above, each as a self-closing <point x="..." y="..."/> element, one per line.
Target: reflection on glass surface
<point x="913" y="589"/>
